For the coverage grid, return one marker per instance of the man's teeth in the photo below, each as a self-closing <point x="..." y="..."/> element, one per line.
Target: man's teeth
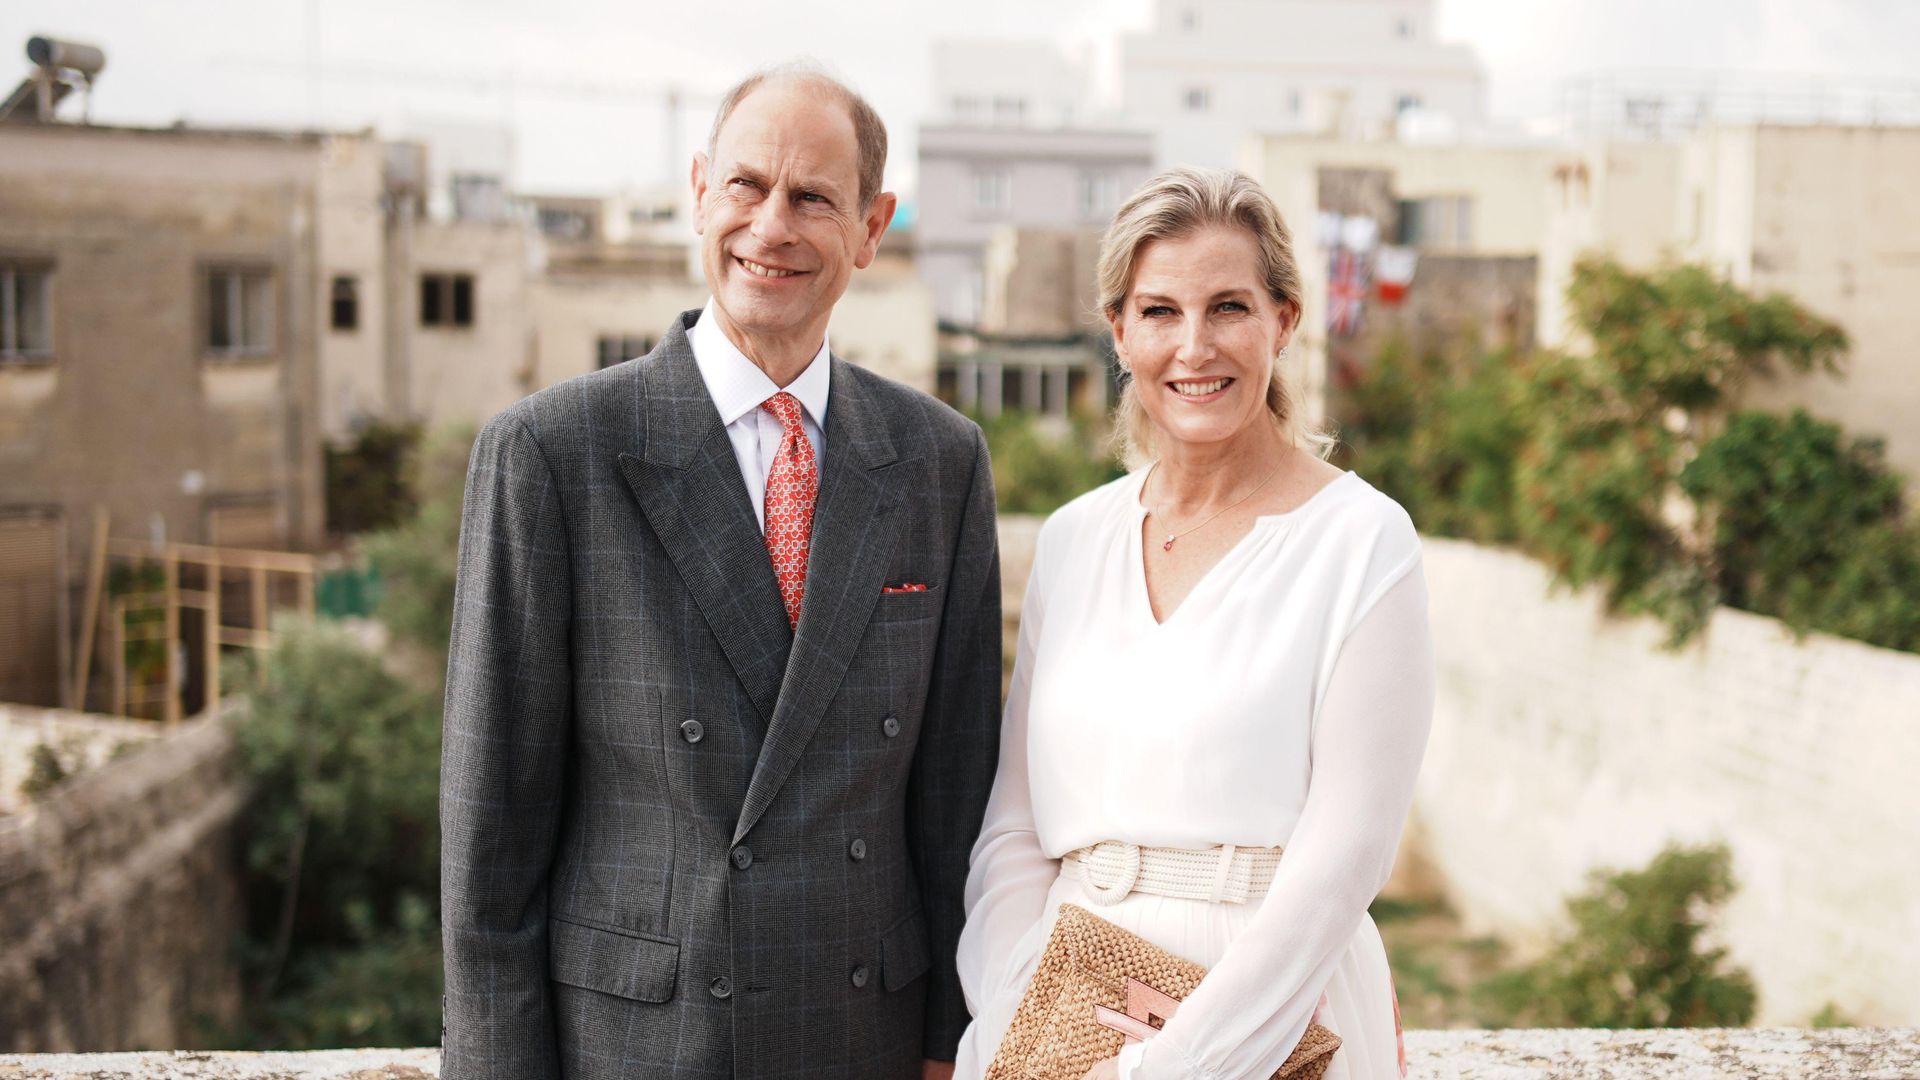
<point x="1200" y="389"/>
<point x="757" y="270"/>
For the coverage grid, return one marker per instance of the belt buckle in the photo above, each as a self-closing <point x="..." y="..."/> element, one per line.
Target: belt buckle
<point x="1109" y="895"/>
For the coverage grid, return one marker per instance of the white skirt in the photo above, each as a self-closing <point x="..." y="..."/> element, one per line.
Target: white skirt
<point x="1359" y="1005"/>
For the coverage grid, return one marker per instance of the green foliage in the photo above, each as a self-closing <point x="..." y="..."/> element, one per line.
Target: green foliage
<point x="415" y="561"/>
<point x="45" y="771"/>
<point x="367" y="482"/>
<point x="1635" y="955"/>
<point x="381" y="990"/>
<point x="342" y="836"/>
<point x="1831" y="1016"/>
<point x="1039" y="465"/>
<point x="1809" y="527"/>
<point x="1600" y="465"/>
<point x="1442" y="437"/>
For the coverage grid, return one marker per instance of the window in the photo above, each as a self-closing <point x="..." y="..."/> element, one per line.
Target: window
<point x="26" y="312"/>
<point x="616" y="348"/>
<point x="566" y="224"/>
<point x="346" y="303"/>
<point x="1437" y="223"/>
<point x="964" y="106"/>
<point x="992" y="190"/>
<point x="1405" y="103"/>
<point x="446" y="300"/>
<point x="1009" y="109"/>
<point x="1293" y="102"/>
<point x="239" y="312"/>
<point x="1403" y="28"/>
<point x="1199" y="99"/>
<point x="1190" y="18"/>
<point x="1099" y="194"/>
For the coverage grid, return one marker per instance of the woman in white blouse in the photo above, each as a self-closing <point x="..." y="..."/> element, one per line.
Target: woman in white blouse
<point x="1222" y="655"/>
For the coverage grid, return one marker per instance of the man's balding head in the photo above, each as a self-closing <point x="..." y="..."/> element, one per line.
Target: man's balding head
<point x="870" y="135"/>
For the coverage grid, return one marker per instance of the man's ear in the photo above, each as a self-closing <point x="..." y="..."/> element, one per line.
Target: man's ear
<point x="878" y="217"/>
<point x="699" y="182"/>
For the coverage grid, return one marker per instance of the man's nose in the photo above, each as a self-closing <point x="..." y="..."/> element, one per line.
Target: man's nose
<point x="773" y="222"/>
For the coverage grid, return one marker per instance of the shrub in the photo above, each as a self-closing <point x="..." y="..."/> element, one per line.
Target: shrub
<point x="415" y="560"/>
<point x="1040" y="465"/>
<point x="343" y="759"/>
<point x="1634" y="957"/>
<point x="368" y="486"/>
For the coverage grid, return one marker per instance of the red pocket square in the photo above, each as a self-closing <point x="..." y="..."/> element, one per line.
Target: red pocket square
<point x="909" y="587"/>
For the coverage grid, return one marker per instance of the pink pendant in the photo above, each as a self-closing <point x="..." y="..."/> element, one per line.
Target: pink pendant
<point x="1168" y="546"/>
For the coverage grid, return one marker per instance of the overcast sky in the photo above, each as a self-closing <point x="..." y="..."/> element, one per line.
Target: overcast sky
<point x="581" y="83"/>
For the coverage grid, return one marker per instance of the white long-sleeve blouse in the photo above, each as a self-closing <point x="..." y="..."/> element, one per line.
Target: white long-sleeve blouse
<point x="1284" y="703"/>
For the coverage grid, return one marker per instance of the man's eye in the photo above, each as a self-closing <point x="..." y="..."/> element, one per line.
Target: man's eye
<point x="812" y="196"/>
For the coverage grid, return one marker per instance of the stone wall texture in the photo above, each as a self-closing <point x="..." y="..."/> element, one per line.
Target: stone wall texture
<point x="1567" y="740"/>
<point x="1705" y="1054"/>
<point x="119" y="900"/>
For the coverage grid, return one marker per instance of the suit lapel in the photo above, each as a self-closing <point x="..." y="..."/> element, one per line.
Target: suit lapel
<point x="855" y="526"/>
<point x="688" y="485"/>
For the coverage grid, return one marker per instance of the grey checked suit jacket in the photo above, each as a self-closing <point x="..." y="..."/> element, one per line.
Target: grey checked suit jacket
<point x="680" y="839"/>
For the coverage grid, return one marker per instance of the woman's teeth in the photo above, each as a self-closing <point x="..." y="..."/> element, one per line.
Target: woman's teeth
<point x="757" y="270"/>
<point x="1200" y="389"/>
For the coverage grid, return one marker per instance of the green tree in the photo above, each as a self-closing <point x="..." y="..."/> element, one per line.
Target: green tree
<point x="415" y="561"/>
<point x="342" y="832"/>
<point x="1635" y="956"/>
<point x="1809" y="527"/>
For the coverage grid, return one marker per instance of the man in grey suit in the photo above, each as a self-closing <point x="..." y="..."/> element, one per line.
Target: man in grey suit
<point x="722" y="702"/>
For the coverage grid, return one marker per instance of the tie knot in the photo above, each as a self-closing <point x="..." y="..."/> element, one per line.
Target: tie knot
<point x="786" y="409"/>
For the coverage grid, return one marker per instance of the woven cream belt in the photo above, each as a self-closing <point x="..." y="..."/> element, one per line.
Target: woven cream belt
<point x="1224" y="875"/>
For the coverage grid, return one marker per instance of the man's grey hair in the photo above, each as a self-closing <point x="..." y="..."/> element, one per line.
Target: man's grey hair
<point x="870" y="135"/>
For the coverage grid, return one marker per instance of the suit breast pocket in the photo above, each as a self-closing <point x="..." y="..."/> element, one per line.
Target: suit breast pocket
<point x="905" y="606"/>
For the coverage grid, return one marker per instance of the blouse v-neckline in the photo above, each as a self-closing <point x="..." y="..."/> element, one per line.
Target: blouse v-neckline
<point x="1137" y="548"/>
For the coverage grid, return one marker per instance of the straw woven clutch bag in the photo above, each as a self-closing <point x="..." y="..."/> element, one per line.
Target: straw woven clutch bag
<point x="1099" y="988"/>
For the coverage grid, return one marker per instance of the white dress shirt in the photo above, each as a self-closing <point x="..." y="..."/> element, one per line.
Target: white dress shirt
<point x="738" y="386"/>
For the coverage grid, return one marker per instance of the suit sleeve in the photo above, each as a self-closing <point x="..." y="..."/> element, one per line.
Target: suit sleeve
<point x="503" y="758"/>
<point x="959" y="742"/>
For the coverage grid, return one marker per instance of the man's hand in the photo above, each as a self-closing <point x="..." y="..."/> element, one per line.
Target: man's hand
<point x="936" y="1070"/>
<point x="1104" y="1070"/>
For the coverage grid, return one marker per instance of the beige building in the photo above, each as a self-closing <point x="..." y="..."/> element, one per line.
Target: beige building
<point x="1470" y="211"/>
<point x="1818" y="212"/>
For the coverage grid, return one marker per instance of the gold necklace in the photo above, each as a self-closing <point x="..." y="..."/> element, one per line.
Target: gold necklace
<point x="1172" y="536"/>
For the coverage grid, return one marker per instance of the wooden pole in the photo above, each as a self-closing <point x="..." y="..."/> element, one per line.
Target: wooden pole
<point x="119" y="624"/>
<point x="212" y="637"/>
<point x="172" y="640"/>
<point x="90" y="617"/>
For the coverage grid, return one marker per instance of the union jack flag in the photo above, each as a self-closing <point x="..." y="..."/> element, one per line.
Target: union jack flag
<point x="1346" y="290"/>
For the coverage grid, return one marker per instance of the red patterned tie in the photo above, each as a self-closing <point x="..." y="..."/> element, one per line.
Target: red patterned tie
<point x="791" y="488"/>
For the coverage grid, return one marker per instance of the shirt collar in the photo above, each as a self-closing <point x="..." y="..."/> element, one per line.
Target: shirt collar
<point x="738" y="386"/>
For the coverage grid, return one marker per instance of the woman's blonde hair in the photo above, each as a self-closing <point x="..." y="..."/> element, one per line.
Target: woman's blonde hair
<point x="1178" y="203"/>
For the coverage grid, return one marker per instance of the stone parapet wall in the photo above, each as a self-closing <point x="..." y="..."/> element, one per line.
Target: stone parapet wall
<point x="1566" y="740"/>
<point x="119" y="901"/>
<point x="1704" y="1054"/>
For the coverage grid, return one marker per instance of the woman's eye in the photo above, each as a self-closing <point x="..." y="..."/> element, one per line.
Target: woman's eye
<point x="1233" y="306"/>
<point x="1155" y="311"/>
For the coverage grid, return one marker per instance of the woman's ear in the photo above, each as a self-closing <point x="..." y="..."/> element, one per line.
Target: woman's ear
<point x="1119" y="327"/>
<point x="1289" y="316"/>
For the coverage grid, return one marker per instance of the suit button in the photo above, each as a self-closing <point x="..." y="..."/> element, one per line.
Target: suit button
<point x="891" y="726"/>
<point x="722" y="988"/>
<point x="858" y="850"/>
<point x="692" y="731"/>
<point x="742" y="858"/>
<point x="859" y="976"/>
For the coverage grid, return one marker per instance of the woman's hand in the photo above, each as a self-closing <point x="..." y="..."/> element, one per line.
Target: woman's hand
<point x="1104" y="1070"/>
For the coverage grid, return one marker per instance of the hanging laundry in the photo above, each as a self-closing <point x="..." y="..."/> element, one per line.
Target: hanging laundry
<point x="1393" y="269"/>
<point x="1346" y="292"/>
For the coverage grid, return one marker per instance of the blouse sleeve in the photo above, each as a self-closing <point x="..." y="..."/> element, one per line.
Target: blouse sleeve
<point x="1368" y="738"/>
<point x="1009" y="876"/>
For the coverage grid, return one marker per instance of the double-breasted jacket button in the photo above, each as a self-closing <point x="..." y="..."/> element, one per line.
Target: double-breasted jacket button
<point x="857" y="850"/>
<point x="742" y="858"/>
<point x="721" y="988"/>
<point x="891" y="726"/>
<point x="859" y="976"/>
<point x="692" y="731"/>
